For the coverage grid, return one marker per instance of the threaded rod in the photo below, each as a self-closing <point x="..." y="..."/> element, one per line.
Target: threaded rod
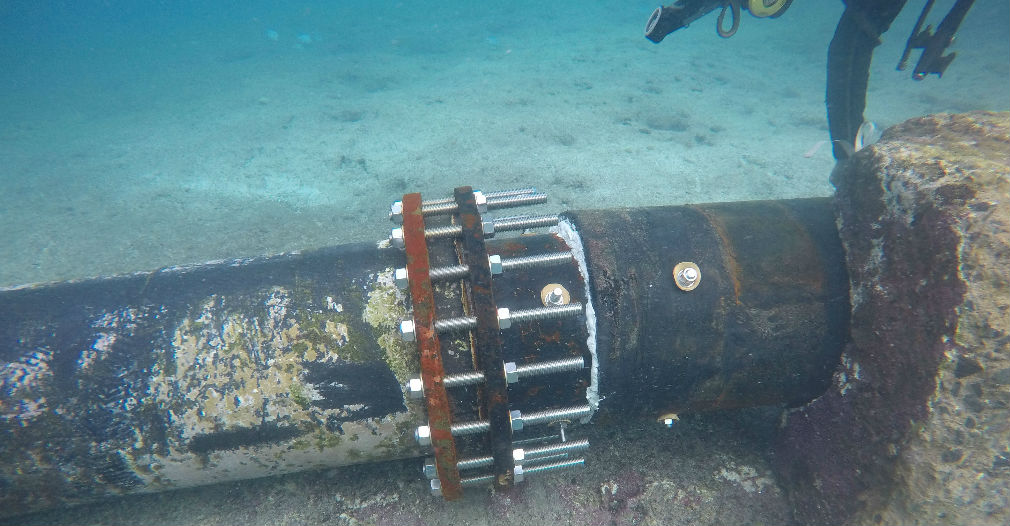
<point x="448" y="273"/>
<point x="470" y="428"/>
<point x="555" y="366"/>
<point x="553" y="466"/>
<point x="539" y="260"/>
<point x="456" y="380"/>
<point x="553" y="415"/>
<point x="462" y="323"/>
<point x="524" y="222"/>
<point x="553" y="449"/>
<point x="546" y="313"/>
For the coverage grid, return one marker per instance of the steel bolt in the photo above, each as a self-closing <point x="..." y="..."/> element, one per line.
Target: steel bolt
<point x="518" y="474"/>
<point x="504" y="318"/>
<point x="518" y="456"/>
<point x="687" y="275"/>
<point x="396" y="238"/>
<point x="407" y="330"/>
<point x="396" y="212"/>
<point x="517" y="420"/>
<point x="400" y="277"/>
<point x="429" y="469"/>
<point x="488" y="228"/>
<point x="556" y="297"/>
<point x="436" y="487"/>
<point x="668" y="422"/>
<point x="511" y="372"/>
<point x="481" y="200"/>
<point x="423" y="435"/>
<point x="495" y="263"/>
<point x="415" y="387"/>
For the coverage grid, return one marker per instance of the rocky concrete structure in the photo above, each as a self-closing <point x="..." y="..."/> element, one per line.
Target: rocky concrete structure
<point x="916" y="428"/>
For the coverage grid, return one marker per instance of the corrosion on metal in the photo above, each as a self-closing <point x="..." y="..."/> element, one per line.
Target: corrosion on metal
<point x="432" y="371"/>
<point x="487" y="339"/>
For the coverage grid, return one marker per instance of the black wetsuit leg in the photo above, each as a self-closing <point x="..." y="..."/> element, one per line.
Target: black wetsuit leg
<point x="849" y="55"/>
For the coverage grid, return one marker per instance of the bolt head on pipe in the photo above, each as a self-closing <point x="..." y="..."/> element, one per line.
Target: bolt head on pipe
<point x="517" y="473"/>
<point x="511" y="373"/>
<point x="687" y="276"/>
<point x="517" y="420"/>
<point x="407" y="330"/>
<point x="396" y="238"/>
<point x="429" y="469"/>
<point x="494" y="261"/>
<point x="415" y="387"/>
<point x="400" y="277"/>
<point x="396" y="212"/>
<point x="436" y="487"/>
<point x="423" y="435"/>
<point x="504" y="318"/>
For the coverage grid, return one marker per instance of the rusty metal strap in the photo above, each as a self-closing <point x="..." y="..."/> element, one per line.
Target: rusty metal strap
<point x="432" y="371"/>
<point x="487" y="338"/>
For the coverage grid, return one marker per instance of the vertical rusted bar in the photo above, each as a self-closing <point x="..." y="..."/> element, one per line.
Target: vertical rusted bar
<point x="432" y="372"/>
<point x="487" y="339"/>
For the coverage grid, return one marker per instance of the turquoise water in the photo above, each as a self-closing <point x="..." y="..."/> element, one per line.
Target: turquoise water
<point x="141" y="134"/>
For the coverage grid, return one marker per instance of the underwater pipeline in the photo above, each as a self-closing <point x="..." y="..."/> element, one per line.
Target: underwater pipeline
<point x="456" y="340"/>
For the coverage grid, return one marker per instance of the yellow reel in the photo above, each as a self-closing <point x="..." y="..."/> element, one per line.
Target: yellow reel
<point x="768" y="8"/>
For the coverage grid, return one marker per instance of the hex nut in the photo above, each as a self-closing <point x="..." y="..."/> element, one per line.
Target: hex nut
<point x="517" y="473"/>
<point x="396" y="238"/>
<point x="686" y="275"/>
<point x="511" y="373"/>
<point x="436" y="487"/>
<point x="415" y="387"/>
<point x="407" y="330"/>
<point x="400" y="277"/>
<point x="396" y="212"/>
<point x="518" y="456"/>
<point x="481" y="201"/>
<point x="423" y="435"/>
<point x="429" y="469"/>
<point x="488" y="228"/>
<point x="494" y="261"/>
<point x="504" y="318"/>
<point x="516" y="417"/>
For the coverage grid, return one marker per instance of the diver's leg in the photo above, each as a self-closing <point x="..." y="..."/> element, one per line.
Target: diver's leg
<point x="849" y="55"/>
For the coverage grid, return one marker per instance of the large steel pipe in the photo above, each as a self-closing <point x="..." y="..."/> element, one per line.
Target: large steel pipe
<point x="246" y="368"/>
<point x="765" y="324"/>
